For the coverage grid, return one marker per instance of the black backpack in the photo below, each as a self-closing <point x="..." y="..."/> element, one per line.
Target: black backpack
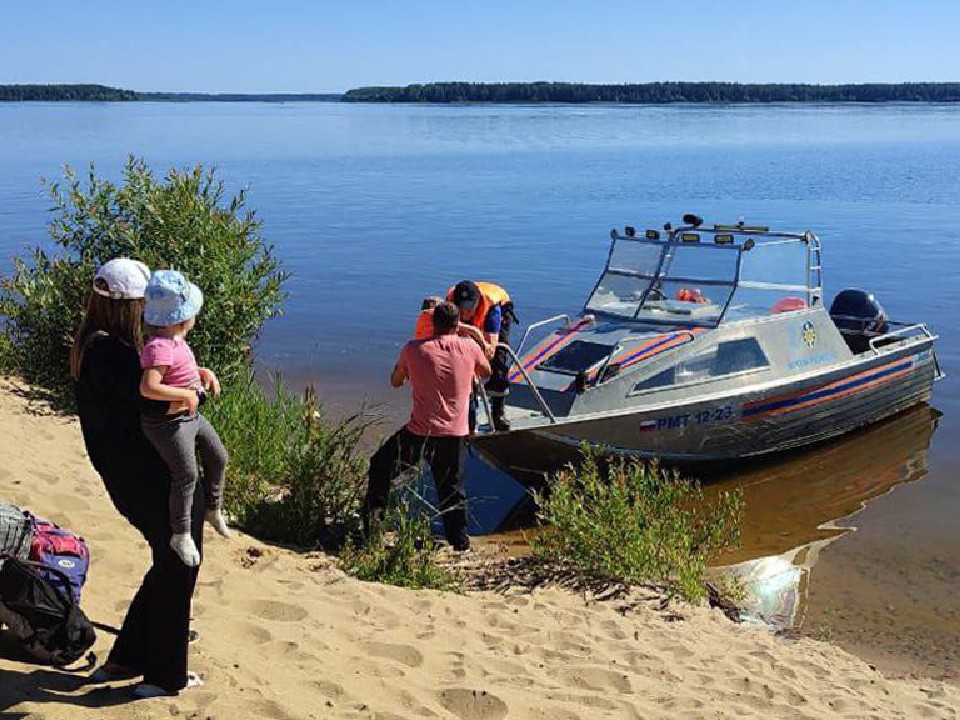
<point x="50" y="625"/>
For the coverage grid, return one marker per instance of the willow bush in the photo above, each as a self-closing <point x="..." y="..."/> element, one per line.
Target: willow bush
<point x="635" y="522"/>
<point x="184" y="220"/>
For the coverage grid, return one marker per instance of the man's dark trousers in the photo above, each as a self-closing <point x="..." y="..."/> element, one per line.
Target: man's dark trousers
<point x="445" y="455"/>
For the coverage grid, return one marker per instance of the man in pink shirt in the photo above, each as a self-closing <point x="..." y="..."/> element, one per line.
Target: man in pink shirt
<point x="441" y="370"/>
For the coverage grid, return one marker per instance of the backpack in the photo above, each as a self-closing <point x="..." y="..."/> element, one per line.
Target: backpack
<point x="50" y="625"/>
<point x="16" y="531"/>
<point x="60" y="550"/>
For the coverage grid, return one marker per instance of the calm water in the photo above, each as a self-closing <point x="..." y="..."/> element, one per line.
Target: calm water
<point x="373" y="207"/>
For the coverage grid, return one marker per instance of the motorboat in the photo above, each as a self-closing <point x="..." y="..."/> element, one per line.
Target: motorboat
<point x="706" y="343"/>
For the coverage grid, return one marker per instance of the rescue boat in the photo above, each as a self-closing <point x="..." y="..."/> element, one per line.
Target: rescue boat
<point x="707" y="344"/>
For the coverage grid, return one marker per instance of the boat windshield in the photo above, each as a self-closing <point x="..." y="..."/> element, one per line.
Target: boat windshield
<point x="666" y="283"/>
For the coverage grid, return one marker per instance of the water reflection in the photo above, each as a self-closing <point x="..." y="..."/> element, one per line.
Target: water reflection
<point x="794" y="505"/>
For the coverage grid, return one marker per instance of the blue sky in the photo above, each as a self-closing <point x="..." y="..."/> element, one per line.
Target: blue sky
<point x="286" y="46"/>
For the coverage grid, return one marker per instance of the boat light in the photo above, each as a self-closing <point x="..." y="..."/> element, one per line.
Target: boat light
<point x="690" y="237"/>
<point x="724" y="239"/>
<point x="742" y="228"/>
<point x="630" y="231"/>
<point x="748" y="244"/>
<point x="652" y="234"/>
<point x="694" y="220"/>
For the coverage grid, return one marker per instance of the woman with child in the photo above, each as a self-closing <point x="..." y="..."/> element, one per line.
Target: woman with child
<point x="122" y="388"/>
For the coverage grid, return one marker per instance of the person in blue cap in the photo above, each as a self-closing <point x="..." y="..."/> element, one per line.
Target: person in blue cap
<point x="180" y="433"/>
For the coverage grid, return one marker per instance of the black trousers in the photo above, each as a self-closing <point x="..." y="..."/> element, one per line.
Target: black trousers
<point x="498" y="385"/>
<point x="445" y="455"/>
<point x="154" y="636"/>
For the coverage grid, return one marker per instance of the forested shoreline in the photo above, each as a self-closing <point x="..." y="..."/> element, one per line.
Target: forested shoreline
<point x="656" y="93"/>
<point x="104" y="93"/>
<point x="75" y="93"/>
<point x="528" y="92"/>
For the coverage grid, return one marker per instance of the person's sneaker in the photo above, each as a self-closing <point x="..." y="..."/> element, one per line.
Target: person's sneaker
<point x="461" y="545"/>
<point x="500" y="423"/>
<point x="145" y="691"/>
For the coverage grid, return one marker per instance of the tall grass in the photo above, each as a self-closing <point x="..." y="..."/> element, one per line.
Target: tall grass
<point x="401" y="550"/>
<point x="635" y="522"/>
<point x="293" y="476"/>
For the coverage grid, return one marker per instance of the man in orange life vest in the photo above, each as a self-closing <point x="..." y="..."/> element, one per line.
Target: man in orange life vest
<point x="486" y="315"/>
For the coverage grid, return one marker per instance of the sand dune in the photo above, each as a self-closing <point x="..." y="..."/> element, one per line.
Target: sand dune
<point x="288" y="636"/>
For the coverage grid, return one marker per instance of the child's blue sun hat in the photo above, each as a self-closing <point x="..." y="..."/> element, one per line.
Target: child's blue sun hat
<point x="170" y="299"/>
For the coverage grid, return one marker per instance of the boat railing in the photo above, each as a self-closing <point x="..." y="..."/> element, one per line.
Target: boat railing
<point x="549" y="321"/>
<point x="514" y="360"/>
<point x="902" y="331"/>
<point x="602" y="370"/>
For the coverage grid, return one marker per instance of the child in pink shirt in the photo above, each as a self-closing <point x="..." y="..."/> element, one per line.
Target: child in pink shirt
<point x="170" y="374"/>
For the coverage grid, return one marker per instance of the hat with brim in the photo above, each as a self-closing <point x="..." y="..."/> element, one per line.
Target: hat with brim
<point x="170" y="299"/>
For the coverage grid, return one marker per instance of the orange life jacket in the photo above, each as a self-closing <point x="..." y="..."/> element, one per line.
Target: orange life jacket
<point x="424" y="325"/>
<point x="490" y="296"/>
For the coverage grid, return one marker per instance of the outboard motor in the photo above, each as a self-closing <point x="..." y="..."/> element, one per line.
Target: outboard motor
<point x="858" y="316"/>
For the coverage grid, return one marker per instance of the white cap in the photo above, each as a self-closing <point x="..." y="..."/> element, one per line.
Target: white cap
<point x="122" y="279"/>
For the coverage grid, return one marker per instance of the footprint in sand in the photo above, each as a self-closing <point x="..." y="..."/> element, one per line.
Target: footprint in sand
<point x="405" y="654"/>
<point x="473" y="704"/>
<point x="595" y="678"/>
<point x="555" y="713"/>
<point x="49" y="478"/>
<point x="258" y="634"/>
<point x="276" y="610"/>
<point x="268" y="709"/>
<point x="328" y="689"/>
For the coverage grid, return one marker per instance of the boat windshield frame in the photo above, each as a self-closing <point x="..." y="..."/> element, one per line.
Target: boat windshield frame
<point x="727" y="238"/>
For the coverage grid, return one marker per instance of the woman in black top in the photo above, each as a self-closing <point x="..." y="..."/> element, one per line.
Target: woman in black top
<point x="106" y="366"/>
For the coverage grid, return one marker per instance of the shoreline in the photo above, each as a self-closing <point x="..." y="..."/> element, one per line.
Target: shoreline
<point x="287" y="635"/>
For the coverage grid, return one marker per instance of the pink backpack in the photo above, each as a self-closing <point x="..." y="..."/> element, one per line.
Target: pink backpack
<point x="63" y="551"/>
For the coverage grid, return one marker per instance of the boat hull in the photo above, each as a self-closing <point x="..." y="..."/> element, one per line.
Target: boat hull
<point x="748" y="423"/>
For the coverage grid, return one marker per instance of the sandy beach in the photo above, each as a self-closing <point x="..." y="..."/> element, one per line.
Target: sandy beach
<point x="286" y="635"/>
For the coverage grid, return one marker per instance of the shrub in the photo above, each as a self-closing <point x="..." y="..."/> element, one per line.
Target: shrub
<point x="635" y="522"/>
<point x="293" y="477"/>
<point x="183" y="221"/>
<point x="400" y="551"/>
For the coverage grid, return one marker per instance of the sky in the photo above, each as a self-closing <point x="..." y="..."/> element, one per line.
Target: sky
<point x="324" y="46"/>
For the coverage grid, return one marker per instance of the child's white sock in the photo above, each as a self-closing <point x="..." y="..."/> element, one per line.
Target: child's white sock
<point x="219" y="523"/>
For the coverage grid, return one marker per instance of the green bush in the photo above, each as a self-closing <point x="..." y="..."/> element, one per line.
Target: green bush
<point x="635" y="522"/>
<point x="183" y="221"/>
<point x="401" y="551"/>
<point x="293" y="477"/>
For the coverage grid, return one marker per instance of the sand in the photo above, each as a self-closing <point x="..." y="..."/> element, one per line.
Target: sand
<point x="286" y="635"/>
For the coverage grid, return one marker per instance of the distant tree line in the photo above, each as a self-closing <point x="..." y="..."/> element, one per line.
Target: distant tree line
<point x="101" y="93"/>
<point x="531" y="92"/>
<point x="64" y="92"/>
<point x="658" y="92"/>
